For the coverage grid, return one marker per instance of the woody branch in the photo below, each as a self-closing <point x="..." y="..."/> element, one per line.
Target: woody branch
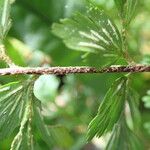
<point x="74" y="70"/>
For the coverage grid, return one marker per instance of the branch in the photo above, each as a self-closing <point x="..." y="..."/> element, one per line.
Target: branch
<point x="73" y="70"/>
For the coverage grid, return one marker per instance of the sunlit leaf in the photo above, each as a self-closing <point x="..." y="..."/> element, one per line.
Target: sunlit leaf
<point x="110" y="109"/>
<point x="12" y="101"/>
<point x="24" y="138"/>
<point x="15" y="52"/>
<point x="16" y="110"/>
<point x="94" y="32"/>
<point x="18" y="105"/>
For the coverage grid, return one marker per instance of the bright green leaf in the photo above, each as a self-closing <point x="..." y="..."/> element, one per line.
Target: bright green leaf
<point x="15" y="52"/>
<point x="18" y="105"/>
<point x="11" y="108"/>
<point x="109" y="111"/>
<point x="24" y="138"/>
<point x="21" y="140"/>
<point x="93" y="32"/>
<point x="16" y="110"/>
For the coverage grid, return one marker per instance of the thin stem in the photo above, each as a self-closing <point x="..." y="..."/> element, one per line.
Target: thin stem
<point x="125" y="43"/>
<point x="74" y="70"/>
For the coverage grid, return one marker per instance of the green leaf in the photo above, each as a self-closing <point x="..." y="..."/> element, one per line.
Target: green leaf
<point x="120" y="5"/>
<point x="146" y="100"/>
<point x="147" y="127"/>
<point x="42" y="128"/>
<point x="15" y="51"/>
<point x="126" y="9"/>
<point x="24" y="138"/>
<point x="31" y="116"/>
<point x="21" y="141"/>
<point x="52" y="135"/>
<point x="5" y="6"/>
<point x="133" y="100"/>
<point x="123" y="138"/>
<point x="110" y="109"/>
<point x="93" y="32"/>
<point x="11" y="108"/>
<point x="18" y="105"/>
<point x="16" y="110"/>
<point x="61" y="136"/>
<point x="145" y="59"/>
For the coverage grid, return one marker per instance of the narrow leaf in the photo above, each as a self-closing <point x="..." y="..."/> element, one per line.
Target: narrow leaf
<point x="120" y="5"/>
<point x="42" y="128"/>
<point x="31" y="116"/>
<point x="11" y="108"/>
<point x="126" y="9"/>
<point x="5" y="22"/>
<point x="146" y="100"/>
<point x="109" y="111"/>
<point x="23" y="140"/>
<point x="133" y="100"/>
<point x="18" y="105"/>
<point x="52" y="135"/>
<point x="123" y="138"/>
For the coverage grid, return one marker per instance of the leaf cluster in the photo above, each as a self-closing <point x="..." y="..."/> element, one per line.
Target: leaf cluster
<point x="93" y="33"/>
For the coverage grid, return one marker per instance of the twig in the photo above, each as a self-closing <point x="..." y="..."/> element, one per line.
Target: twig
<point x="73" y="70"/>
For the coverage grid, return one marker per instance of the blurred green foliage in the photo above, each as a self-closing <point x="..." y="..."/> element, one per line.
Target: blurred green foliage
<point x="72" y="101"/>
